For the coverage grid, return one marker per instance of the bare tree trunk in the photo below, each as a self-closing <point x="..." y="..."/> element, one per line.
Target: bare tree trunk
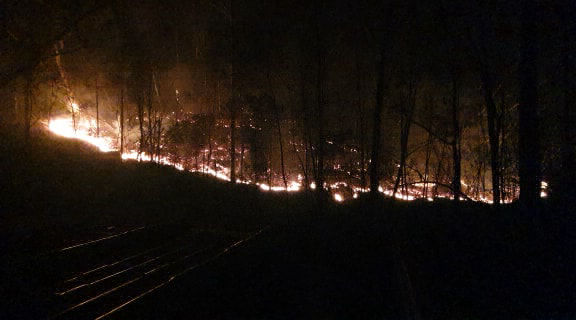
<point x="52" y="102"/>
<point x="376" y="127"/>
<point x="438" y="173"/>
<point x="233" y="144"/>
<point x="149" y="105"/>
<point x="568" y="178"/>
<point x="306" y="134"/>
<point x="320" y="107"/>
<point x="528" y="145"/>
<point x="158" y="138"/>
<point x="303" y="165"/>
<point x="58" y="47"/>
<point x="361" y="125"/>
<point x="405" y="124"/>
<point x="233" y="106"/>
<point x="97" y="111"/>
<point x="140" y="106"/>
<point x="28" y="107"/>
<point x="282" y="166"/>
<point x="209" y="130"/>
<point x="488" y="89"/>
<point x="427" y="165"/>
<point x="456" y="145"/>
<point x="122" y="119"/>
<point x="278" y="128"/>
<point x="242" y="161"/>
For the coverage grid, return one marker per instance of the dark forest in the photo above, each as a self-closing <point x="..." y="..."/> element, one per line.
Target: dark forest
<point x="302" y="159"/>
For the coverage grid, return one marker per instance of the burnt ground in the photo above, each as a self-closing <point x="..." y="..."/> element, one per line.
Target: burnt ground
<point x="84" y="235"/>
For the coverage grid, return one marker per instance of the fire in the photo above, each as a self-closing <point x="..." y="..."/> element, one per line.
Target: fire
<point x="65" y="128"/>
<point x="74" y="106"/>
<point x="84" y="130"/>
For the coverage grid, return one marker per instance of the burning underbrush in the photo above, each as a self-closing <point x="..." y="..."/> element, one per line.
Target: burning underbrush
<point x="214" y="160"/>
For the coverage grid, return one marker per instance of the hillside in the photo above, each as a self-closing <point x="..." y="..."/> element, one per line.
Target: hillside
<point x="67" y="208"/>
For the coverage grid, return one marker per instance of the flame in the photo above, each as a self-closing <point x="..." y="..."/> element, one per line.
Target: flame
<point x="65" y="128"/>
<point x="74" y="107"/>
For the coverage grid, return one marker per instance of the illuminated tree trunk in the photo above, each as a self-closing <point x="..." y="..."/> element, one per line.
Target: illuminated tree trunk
<point x="52" y="101"/>
<point x="97" y="111"/>
<point x="151" y="120"/>
<point x="28" y="107"/>
<point x="59" y="46"/>
<point x="487" y="88"/>
<point x="233" y="106"/>
<point x="233" y="143"/>
<point x="122" y="120"/>
<point x="528" y="145"/>
<point x="210" y="125"/>
<point x="241" y="173"/>
<point x="427" y="165"/>
<point x="140" y="106"/>
<point x="158" y="138"/>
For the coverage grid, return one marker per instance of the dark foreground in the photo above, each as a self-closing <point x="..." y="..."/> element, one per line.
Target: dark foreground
<point x="85" y="236"/>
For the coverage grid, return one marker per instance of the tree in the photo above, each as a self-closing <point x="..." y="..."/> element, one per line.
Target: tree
<point x="528" y="144"/>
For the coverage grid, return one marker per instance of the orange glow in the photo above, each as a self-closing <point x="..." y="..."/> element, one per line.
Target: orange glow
<point x="63" y="126"/>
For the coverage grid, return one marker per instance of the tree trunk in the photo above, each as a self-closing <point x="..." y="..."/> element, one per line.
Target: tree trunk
<point x="233" y="106"/>
<point x="279" y="128"/>
<point x="241" y="173"/>
<point x="427" y="164"/>
<point x="122" y="120"/>
<point x="97" y="111"/>
<point x="376" y="127"/>
<point x="456" y="146"/>
<point x="320" y="110"/>
<point x="406" y="123"/>
<point x="149" y="106"/>
<point x="140" y="106"/>
<point x="158" y="137"/>
<point x="28" y="107"/>
<point x="487" y="88"/>
<point x="233" y="145"/>
<point x="209" y="142"/>
<point x="303" y="164"/>
<point x="528" y="145"/>
<point x="568" y="179"/>
<point x="361" y="126"/>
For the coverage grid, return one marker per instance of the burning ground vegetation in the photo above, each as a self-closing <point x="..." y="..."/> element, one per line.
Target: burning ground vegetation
<point x="201" y="143"/>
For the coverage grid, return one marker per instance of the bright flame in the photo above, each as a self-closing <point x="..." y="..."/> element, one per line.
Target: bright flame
<point x="338" y="197"/>
<point x="65" y="128"/>
<point x="74" y="106"/>
<point x="84" y="130"/>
